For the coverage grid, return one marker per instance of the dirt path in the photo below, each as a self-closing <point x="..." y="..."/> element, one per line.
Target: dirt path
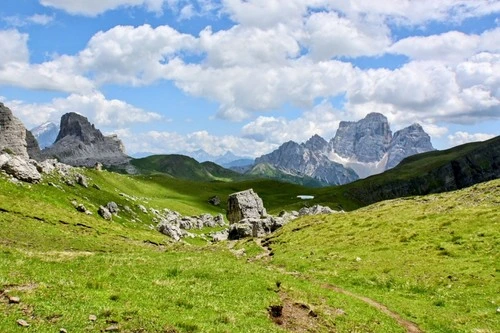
<point x="409" y="326"/>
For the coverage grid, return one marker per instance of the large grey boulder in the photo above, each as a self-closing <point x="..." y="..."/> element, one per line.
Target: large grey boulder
<point x="245" y="204"/>
<point x="255" y="227"/>
<point x="20" y="168"/>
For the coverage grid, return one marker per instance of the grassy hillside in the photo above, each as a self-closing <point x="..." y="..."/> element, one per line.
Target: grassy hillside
<point x="184" y="167"/>
<point x="66" y="266"/>
<point x="433" y="259"/>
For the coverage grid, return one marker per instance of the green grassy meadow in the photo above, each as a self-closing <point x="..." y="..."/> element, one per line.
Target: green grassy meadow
<point x="433" y="260"/>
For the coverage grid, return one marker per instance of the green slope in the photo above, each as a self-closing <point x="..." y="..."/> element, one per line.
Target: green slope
<point x="433" y="259"/>
<point x="184" y="167"/>
<point x="66" y="265"/>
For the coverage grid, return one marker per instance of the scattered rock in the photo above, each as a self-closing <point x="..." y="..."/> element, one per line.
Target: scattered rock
<point x="98" y="166"/>
<point x="113" y="207"/>
<point x="92" y="317"/>
<point x="142" y="209"/>
<point x="220" y="236"/>
<point x="112" y="328"/>
<point x="315" y="210"/>
<point x="22" y="322"/>
<point x="81" y="180"/>
<point x="82" y="209"/>
<point x="63" y="330"/>
<point x="215" y="201"/>
<point x="172" y="231"/>
<point x="69" y="182"/>
<point x="14" y="300"/>
<point x="245" y="204"/>
<point x="105" y="213"/>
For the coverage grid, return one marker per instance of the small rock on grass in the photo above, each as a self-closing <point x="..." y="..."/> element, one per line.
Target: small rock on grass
<point x="14" y="300"/>
<point x="112" y="328"/>
<point x="63" y="330"/>
<point x="22" y="322"/>
<point x="92" y="317"/>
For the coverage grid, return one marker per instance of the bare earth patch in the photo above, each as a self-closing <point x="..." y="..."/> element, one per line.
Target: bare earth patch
<point x="294" y="316"/>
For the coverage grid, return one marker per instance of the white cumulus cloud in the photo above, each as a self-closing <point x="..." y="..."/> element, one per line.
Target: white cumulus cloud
<point x="459" y="138"/>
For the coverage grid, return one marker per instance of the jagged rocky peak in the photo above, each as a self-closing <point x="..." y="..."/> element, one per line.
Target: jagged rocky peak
<point x="409" y="141"/>
<point x="316" y="142"/>
<point x="79" y="143"/>
<point x="73" y="124"/>
<point x="365" y="140"/>
<point x="14" y="137"/>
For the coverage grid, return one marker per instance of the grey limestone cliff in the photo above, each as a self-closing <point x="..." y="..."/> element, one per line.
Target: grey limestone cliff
<point x="366" y="140"/>
<point x="79" y="143"/>
<point x="406" y="142"/>
<point x="14" y="137"/>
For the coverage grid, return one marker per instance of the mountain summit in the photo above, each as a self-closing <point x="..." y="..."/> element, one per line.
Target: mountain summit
<point x="79" y="143"/>
<point x="46" y="134"/>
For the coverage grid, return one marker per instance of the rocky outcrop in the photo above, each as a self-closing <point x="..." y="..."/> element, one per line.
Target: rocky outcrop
<point x="20" y="168"/>
<point x="248" y="216"/>
<point x="79" y="143"/>
<point x="409" y="141"/>
<point x="12" y="133"/>
<point x="174" y="225"/>
<point x="245" y="204"/>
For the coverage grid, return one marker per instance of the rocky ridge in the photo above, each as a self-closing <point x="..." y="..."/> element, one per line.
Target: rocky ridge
<point x="308" y="159"/>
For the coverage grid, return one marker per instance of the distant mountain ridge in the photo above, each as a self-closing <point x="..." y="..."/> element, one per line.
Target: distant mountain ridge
<point x="359" y="149"/>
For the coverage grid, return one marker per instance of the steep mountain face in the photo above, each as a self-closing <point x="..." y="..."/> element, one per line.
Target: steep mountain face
<point x="304" y="160"/>
<point x="79" y="143"/>
<point x="14" y="137"/>
<point x="364" y="141"/>
<point x="46" y="134"/>
<point x="406" y="142"/>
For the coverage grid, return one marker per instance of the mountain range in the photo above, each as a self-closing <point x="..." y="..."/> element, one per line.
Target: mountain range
<point x="358" y="150"/>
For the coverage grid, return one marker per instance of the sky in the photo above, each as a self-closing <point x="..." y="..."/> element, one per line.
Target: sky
<point x="245" y="76"/>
